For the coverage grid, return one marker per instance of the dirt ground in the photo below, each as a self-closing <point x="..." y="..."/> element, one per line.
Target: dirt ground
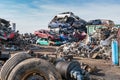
<point x="105" y="70"/>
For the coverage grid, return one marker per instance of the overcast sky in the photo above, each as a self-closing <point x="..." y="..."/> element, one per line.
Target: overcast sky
<point x="31" y="15"/>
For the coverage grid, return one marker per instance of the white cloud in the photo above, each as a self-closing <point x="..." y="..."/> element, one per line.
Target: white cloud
<point x="30" y="19"/>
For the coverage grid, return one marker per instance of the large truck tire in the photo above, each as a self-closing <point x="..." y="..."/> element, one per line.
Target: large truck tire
<point x="11" y="63"/>
<point x="34" y="69"/>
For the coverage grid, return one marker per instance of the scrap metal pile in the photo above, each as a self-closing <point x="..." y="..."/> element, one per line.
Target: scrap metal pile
<point x="65" y="27"/>
<point x="5" y="30"/>
<point x="98" y="45"/>
<point x="76" y="36"/>
<point x="13" y="40"/>
<point x="20" y="42"/>
<point x="90" y="39"/>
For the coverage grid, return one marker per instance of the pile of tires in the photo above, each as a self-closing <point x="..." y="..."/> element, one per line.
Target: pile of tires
<point x="22" y="66"/>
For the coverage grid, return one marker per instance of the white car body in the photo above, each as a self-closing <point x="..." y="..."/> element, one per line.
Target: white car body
<point x="63" y="15"/>
<point x="57" y="24"/>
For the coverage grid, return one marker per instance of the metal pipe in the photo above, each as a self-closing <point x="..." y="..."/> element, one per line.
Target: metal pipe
<point x="66" y="69"/>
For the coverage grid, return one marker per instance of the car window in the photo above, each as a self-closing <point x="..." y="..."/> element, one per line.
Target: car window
<point x="61" y="20"/>
<point x="51" y="32"/>
<point x="40" y="32"/>
<point x="46" y="39"/>
<point x="41" y="39"/>
<point x="44" y="32"/>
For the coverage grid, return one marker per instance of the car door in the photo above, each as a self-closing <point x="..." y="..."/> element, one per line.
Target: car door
<point x="40" y="34"/>
<point x="45" y="42"/>
<point x="38" y="41"/>
<point x="48" y="34"/>
<point x="44" y="35"/>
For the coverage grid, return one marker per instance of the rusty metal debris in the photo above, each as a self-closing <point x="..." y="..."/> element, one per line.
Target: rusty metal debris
<point x="98" y="45"/>
<point x="78" y="41"/>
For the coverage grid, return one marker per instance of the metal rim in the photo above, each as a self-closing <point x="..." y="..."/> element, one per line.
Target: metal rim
<point x="34" y="76"/>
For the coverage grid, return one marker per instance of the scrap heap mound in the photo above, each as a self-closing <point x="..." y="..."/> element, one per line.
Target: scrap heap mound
<point x="5" y="30"/>
<point x="13" y="40"/>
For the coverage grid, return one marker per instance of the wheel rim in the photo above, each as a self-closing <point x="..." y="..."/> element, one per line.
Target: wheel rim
<point x="49" y="38"/>
<point x="51" y="44"/>
<point x="34" y="76"/>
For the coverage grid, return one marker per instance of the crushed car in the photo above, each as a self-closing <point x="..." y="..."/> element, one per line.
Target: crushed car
<point x="57" y="24"/>
<point x="66" y="20"/>
<point x="45" y="41"/>
<point x="46" y="34"/>
<point x="96" y="44"/>
<point x="5" y="30"/>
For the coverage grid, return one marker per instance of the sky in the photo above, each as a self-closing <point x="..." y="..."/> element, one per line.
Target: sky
<point x="31" y="15"/>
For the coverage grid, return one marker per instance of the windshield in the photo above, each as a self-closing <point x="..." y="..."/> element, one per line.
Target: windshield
<point x="51" y="32"/>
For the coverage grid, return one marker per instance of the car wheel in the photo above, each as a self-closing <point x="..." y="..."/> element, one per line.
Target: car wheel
<point x="34" y="69"/>
<point x="38" y="44"/>
<point x="11" y="63"/>
<point x="49" y="26"/>
<point x="49" y="38"/>
<point x="50" y="44"/>
<point x="36" y="34"/>
<point x="60" y="26"/>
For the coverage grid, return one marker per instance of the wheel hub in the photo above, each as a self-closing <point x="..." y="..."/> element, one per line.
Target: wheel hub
<point x="35" y="77"/>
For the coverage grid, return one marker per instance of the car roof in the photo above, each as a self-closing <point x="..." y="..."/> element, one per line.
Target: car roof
<point x="43" y="30"/>
<point x="67" y="13"/>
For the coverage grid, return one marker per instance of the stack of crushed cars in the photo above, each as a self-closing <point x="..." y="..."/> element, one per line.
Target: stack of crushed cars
<point x="96" y="44"/>
<point x="12" y="40"/>
<point x="5" y="30"/>
<point x="6" y="34"/>
<point x="67" y="21"/>
<point x="62" y="29"/>
<point x="90" y="39"/>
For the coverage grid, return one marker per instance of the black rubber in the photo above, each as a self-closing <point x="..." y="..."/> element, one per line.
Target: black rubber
<point x="34" y="66"/>
<point x="11" y="63"/>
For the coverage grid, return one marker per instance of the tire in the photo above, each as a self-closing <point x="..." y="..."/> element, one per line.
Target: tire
<point x="50" y="44"/>
<point x="36" y="34"/>
<point x="34" y="67"/>
<point x="49" y="38"/>
<point x="11" y="63"/>
<point x="49" y="27"/>
<point x="38" y="44"/>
